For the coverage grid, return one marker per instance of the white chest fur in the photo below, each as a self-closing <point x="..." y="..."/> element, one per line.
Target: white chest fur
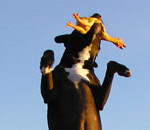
<point x="77" y="72"/>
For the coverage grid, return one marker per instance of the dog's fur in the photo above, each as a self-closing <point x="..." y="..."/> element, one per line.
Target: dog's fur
<point x="72" y="91"/>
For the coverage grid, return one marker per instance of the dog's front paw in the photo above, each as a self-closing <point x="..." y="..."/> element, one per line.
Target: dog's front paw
<point x="122" y="70"/>
<point x="47" y="62"/>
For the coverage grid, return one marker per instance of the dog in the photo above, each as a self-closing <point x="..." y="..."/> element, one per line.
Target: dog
<point x="72" y="91"/>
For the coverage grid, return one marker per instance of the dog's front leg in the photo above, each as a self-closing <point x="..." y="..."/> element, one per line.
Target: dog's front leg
<point x="47" y="61"/>
<point x="112" y="68"/>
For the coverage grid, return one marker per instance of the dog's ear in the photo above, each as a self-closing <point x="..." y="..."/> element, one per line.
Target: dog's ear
<point x="62" y="39"/>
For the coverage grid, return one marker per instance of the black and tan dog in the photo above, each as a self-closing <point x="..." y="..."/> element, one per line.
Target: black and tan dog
<point x="72" y="91"/>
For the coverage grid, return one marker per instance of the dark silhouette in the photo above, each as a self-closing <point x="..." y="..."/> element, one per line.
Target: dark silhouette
<point x="72" y="91"/>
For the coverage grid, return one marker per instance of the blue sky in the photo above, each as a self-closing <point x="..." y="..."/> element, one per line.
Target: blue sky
<point x="28" y="27"/>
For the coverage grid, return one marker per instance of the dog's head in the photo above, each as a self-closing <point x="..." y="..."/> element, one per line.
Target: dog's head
<point x="82" y="47"/>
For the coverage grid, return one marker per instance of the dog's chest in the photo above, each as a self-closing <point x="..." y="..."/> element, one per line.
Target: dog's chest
<point x="77" y="73"/>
